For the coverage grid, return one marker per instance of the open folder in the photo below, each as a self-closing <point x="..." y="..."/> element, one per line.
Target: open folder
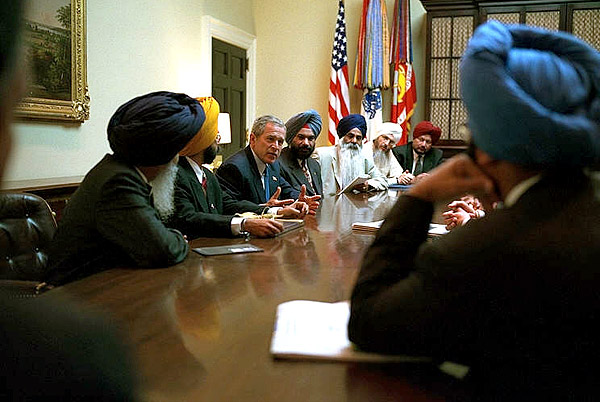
<point x="362" y="179"/>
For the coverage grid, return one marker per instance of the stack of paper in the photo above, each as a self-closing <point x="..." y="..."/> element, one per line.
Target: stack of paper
<point x="435" y="229"/>
<point x="367" y="226"/>
<point x="309" y="330"/>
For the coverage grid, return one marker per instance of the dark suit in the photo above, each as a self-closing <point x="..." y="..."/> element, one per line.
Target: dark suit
<point x="293" y="174"/>
<point x="514" y="293"/>
<point x="239" y="176"/>
<point x="110" y="222"/>
<point x="197" y="214"/>
<point x="404" y="154"/>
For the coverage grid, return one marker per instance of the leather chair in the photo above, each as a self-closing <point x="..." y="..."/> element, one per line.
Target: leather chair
<point x="27" y="226"/>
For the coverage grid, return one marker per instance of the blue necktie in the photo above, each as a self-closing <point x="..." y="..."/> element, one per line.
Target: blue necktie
<point x="267" y="175"/>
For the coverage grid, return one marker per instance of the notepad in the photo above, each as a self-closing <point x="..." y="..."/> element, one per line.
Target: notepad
<point x="311" y="330"/>
<point x="222" y="250"/>
<point x="317" y="331"/>
<point x="289" y="225"/>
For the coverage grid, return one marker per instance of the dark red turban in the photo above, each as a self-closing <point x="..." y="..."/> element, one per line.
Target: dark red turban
<point x="425" y="127"/>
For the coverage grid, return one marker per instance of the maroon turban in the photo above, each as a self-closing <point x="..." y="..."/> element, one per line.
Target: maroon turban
<point x="425" y="127"/>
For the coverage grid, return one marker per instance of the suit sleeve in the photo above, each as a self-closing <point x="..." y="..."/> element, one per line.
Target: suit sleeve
<point x="195" y="223"/>
<point x="404" y="301"/>
<point x="231" y="180"/>
<point x="125" y="217"/>
<point x="287" y="191"/>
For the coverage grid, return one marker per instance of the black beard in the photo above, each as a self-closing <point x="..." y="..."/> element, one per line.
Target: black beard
<point x="210" y="154"/>
<point x="301" y="153"/>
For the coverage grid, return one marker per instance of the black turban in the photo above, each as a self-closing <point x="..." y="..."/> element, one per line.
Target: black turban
<point x="533" y="95"/>
<point x="151" y="129"/>
<point x="352" y="121"/>
<point x="295" y="124"/>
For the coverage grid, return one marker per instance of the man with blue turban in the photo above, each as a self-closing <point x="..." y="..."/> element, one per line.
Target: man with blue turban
<point x="114" y="217"/>
<point x="342" y="163"/>
<point x="297" y="167"/>
<point x="513" y="295"/>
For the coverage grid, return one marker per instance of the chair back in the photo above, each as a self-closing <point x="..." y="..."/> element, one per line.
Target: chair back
<point x="27" y="226"/>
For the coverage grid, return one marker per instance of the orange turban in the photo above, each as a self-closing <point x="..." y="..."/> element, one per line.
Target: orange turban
<point x="209" y="130"/>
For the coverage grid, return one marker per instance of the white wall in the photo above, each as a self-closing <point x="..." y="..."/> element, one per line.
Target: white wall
<point x="133" y="47"/>
<point x="138" y="46"/>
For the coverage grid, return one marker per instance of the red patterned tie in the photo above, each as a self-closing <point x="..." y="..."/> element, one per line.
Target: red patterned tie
<point x="307" y="174"/>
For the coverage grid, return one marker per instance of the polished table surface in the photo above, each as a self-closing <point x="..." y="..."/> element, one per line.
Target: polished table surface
<point x="201" y="330"/>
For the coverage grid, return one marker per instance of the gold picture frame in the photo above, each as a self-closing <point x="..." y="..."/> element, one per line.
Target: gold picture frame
<point x="56" y="58"/>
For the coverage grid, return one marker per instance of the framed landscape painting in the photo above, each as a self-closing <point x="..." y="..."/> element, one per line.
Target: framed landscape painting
<point x="55" y="54"/>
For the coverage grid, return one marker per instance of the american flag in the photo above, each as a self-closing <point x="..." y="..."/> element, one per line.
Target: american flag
<point x="339" y="100"/>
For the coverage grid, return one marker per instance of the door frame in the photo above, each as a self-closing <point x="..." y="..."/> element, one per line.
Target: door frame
<point x="214" y="28"/>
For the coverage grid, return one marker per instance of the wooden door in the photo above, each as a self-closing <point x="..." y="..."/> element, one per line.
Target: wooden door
<point x="229" y="88"/>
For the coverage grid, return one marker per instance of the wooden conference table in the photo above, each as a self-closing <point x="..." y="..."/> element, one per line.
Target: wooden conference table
<point x="200" y="331"/>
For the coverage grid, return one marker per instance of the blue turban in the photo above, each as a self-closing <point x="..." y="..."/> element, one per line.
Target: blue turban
<point x="151" y="129"/>
<point x="533" y="95"/>
<point x="352" y="121"/>
<point x="296" y="122"/>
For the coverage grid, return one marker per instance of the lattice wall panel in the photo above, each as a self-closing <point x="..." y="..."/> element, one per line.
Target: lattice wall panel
<point x="586" y="25"/>
<point x="544" y="19"/>
<point x="459" y="116"/>
<point x="440" y="78"/>
<point x="462" y="30"/>
<point x="505" y="18"/>
<point x="440" y="114"/>
<point x="441" y="28"/>
<point x="455" y="78"/>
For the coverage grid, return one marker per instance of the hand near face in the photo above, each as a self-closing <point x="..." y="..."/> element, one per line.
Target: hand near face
<point x="274" y="202"/>
<point x="262" y="227"/>
<point x="311" y="201"/>
<point x="458" y="176"/>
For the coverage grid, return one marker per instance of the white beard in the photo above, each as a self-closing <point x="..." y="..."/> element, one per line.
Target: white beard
<point x="351" y="162"/>
<point x="382" y="162"/>
<point x="163" y="191"/>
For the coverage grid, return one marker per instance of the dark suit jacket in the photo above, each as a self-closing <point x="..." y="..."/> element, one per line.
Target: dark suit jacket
<point x="293" y="174"/>
<point x="515" y="292"/>
<point x="110" y="222"/>
<point x="239" y="176"/>
<point x="199" y="215"/>
<point x="404" y="154"/>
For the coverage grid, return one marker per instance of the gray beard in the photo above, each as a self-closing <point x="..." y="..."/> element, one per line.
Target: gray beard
<point x="381" y="160"/>
<point x="351" y="163"/>
<point x="163" y="191"/>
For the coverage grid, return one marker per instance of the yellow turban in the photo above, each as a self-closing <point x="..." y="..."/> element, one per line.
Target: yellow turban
<point x="209" y="130"/>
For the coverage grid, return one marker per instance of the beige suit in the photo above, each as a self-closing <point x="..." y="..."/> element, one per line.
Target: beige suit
<point x="331" y="176"/>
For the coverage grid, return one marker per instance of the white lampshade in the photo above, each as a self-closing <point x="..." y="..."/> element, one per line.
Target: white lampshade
<point x="224" y="125"/>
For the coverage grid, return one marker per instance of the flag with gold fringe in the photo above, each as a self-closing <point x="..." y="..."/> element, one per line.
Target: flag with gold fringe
<point x="372" y="73"/>
<point x="404" y="97"/>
